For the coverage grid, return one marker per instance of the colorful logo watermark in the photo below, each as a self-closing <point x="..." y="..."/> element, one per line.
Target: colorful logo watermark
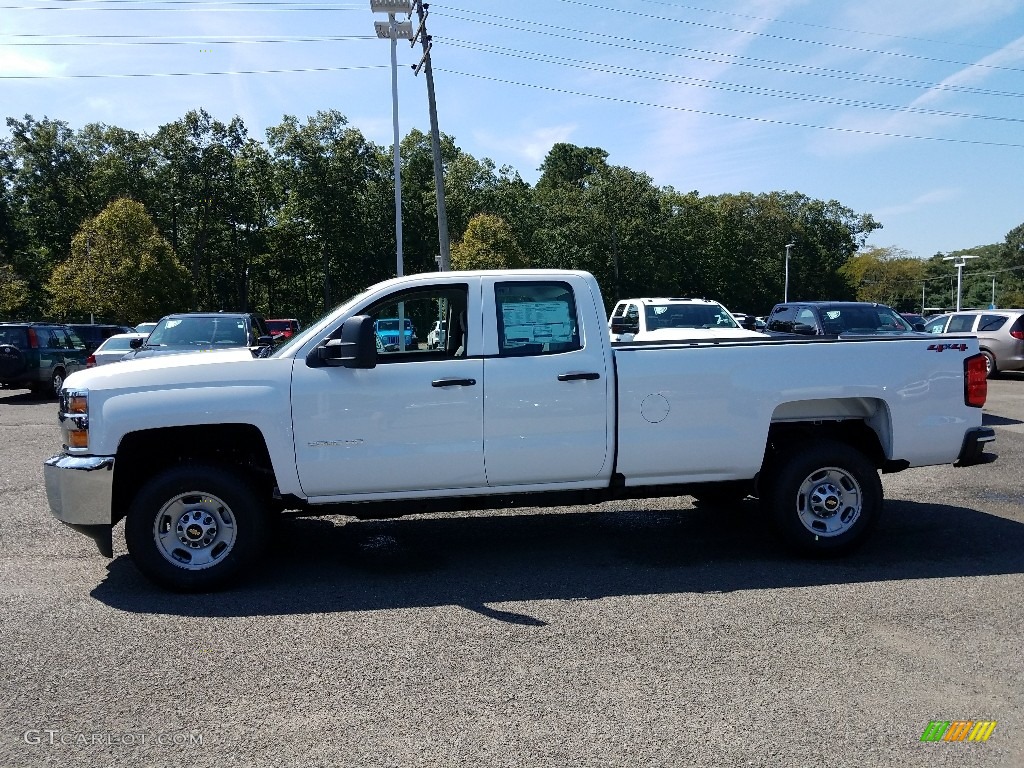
<point x="958" y="730"/>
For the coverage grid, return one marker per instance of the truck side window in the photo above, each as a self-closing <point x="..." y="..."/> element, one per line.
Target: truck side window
<point x="409" y="325"/>
<point x="536" y="318"/>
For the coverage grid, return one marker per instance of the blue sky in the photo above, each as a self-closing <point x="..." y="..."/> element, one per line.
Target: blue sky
<point x="911" y="110"/>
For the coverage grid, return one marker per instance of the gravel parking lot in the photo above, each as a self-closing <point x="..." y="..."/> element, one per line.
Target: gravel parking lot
<point x="647" y="633"/>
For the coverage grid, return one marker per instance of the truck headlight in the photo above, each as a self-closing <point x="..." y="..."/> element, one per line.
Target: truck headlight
<point x="74" y="419"/>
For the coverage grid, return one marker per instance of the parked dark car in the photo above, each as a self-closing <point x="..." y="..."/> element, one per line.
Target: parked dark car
<point x="39" y="356"/>
<point x="203" y="331"/>
<point x="835" y="318"/>
<point x="94" y="334"/>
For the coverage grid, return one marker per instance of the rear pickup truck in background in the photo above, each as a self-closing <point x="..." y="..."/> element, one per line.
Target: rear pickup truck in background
<point x="838" y="318"/>
<point x="529" y="402"/>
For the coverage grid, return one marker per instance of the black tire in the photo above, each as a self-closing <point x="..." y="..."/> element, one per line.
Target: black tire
<point x="824" y="498"/>
<point x="990" y="364"/>
<point x="195" y="528"/>
<point x="56" y="382"/>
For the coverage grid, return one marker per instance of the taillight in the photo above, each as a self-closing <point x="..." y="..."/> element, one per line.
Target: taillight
<point x="90" y="361"/>
<point x="975" y="381"/>
<point x="33" y="340"/>
<point x="1017" y="334"/>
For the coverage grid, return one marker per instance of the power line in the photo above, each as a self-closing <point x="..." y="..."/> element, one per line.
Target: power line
<point x="754" y="90"/>
<point x="765" y="120"/>
<point x="767" y="35"/>
<point x="192" y="74"/>
<point x="827" y="28"/>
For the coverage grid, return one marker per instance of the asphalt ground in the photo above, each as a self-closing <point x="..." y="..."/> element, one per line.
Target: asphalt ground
<point x="653" y="633"/>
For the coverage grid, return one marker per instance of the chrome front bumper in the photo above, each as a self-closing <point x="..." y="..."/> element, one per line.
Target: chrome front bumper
<point x="80" y="488"/>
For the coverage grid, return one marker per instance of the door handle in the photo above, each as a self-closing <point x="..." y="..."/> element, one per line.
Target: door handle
<point x="586" y="376"/>
<point x="453" y="382"/>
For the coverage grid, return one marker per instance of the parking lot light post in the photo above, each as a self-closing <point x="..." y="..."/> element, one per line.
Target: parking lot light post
<point x="958" y="262"/>
<point x="785" y="290"/>
<point x="392" y="30"/>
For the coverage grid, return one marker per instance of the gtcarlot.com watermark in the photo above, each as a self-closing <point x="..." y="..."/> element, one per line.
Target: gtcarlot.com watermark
<point x="56" y="737"/>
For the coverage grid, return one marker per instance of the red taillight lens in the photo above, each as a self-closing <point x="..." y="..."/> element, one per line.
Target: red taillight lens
<point x="1017" y="334"/>
<point x="33" y="340"/>
<point x="90" y="361"/>
<point x="975" y="381"/>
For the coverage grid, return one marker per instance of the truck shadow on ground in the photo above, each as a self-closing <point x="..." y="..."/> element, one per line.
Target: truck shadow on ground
<point x="321" y="565"/>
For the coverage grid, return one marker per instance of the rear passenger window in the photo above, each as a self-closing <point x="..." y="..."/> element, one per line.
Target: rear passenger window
<point x="991" y="323"/>
<point x="536" y="318"/>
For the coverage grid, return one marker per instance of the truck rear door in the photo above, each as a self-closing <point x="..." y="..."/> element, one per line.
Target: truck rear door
<point x="547" y="388"/>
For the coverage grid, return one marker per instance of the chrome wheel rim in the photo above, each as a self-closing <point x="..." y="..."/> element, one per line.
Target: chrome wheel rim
<point x="829" y="501"/>
<point x="195" y="531"/>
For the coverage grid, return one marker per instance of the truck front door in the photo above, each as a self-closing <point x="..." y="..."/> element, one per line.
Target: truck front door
<point x="412" y="423"/>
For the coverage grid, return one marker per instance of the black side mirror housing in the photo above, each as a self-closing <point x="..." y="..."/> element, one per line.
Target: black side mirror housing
<point x="805" y="329"/>
<point x="357" y="347"/>
<point x="137" y="343"/>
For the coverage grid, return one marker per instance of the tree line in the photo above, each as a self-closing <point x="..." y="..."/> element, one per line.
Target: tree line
<point x="106" y="222"/>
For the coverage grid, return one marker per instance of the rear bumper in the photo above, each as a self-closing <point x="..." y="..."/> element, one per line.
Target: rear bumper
<point x="973" y="449"/>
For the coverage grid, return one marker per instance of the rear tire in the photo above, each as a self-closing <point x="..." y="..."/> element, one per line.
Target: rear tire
<point x="824" y="498"/>
<point x="194" y="528"/>
<point x="990" y="364"/>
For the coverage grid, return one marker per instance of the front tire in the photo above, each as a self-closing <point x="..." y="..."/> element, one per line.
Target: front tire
<point x="825" y="498"/>
<point x="194" y="528"/>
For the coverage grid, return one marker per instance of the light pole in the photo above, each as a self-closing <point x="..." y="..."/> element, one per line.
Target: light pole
<point x="393" y="30"/>
<point x="785" y="290"/>
<point x="958" y="262"/>
<point x="444" y="256"/>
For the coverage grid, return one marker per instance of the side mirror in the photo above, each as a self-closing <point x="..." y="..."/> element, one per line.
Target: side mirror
<point x="136" y="343"/>
<point x="266" y="341"/>
<point x="919" y="327"/>
<point x="357" y="347"/>
<point x="805" y="329"/>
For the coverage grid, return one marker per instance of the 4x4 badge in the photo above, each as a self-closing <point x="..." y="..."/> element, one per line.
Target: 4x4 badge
<point x="940" y="347"/>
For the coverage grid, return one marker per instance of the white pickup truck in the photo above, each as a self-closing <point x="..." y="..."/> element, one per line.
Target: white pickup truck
<point x="527" y="402"/>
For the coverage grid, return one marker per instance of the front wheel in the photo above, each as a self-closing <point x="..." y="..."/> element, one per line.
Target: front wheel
<point x="824" y="498"/>
<point x="193" y="528"/>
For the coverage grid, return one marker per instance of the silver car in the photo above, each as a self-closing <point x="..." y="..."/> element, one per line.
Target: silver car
<point x="113" y="349"/>
<point x="1000" y="334"/>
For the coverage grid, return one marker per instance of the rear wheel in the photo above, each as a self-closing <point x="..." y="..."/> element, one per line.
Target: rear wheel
<point x="194" y="528"/>
<point x="990" y="364"/>
<point x="824" y="498"/>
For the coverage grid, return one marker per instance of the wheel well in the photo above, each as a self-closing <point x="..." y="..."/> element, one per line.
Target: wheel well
<point x="782" y="436"/>
<point x="139" y="454"/>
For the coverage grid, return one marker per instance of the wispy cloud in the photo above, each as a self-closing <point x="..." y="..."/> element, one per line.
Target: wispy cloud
<point x="920" y="202"/>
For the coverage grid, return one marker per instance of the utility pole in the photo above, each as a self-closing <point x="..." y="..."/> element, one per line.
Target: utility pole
<point x="444" y="258"/>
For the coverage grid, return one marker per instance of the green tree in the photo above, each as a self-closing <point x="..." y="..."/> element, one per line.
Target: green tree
<point x="488" y="244"/>
<point x="120" y="268"/>
<point x="333" y="221"/>
<point x="886" y="275"/>
<point x="13" y="291"/>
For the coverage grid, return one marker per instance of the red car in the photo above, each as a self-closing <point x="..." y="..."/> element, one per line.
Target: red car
<point x="284" y="328"/>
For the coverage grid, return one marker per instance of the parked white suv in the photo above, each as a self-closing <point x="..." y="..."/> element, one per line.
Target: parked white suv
<point x="654" y="319"/>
